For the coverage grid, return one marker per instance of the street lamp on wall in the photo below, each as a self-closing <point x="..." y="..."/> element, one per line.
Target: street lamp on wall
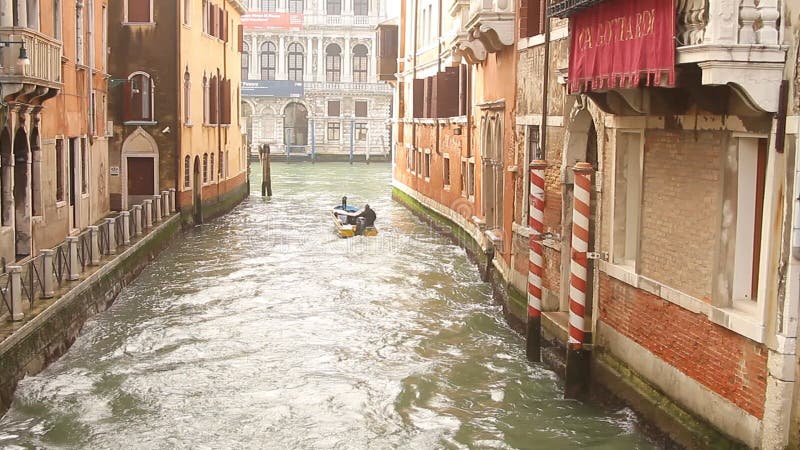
<point x="22" y="59"/>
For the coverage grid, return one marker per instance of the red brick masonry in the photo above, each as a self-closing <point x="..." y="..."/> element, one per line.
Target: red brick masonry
<point x="729" y="364"/>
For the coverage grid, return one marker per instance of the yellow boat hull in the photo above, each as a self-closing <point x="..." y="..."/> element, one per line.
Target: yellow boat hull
<point x="348" y="231"/>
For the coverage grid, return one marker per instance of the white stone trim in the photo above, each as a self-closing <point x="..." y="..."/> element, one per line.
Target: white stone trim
<point x="534" y="41"/>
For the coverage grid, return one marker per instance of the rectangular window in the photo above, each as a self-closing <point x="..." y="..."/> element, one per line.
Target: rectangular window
<point x="464" y="178"/>
<point x="426" y="158"/>
<point x="334" y="108"/>
<point x="409" y="159"/>
<point x="627" y="198"/>
<point x="104" y="45"/>
<point x="464" y="90"/>
<point x="446" y="171"/>
<point x="60" y="170"/>
<point x="471" y="180"/>
<point x="187" y="12"/>
<point x="361" y="108"/>
<point x="361" y="7"/>
<point x="751" y="187"/>
<point x="139" y="11"/>
<point x="84" y="149"/>
<point x="361" y="132"/>
<point x="57" y="29"/>
<point x="334" y="131"/>
<point x="269" y="5"/>
<point x="295" y="6"/>
<point x="333" y="7"/>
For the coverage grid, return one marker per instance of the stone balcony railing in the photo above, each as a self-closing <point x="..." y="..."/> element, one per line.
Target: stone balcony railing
<point x="353" y="87"/>
<point x="44" y="52"/>
<point x="737" y="42"/>
<point x="484" y="26"/>
<point x="342" y="20"/>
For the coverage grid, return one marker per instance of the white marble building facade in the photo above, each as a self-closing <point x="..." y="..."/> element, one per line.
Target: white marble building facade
<point x="313" y="88"/>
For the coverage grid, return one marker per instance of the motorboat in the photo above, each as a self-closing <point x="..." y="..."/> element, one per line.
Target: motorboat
<point x="348" y="225"/>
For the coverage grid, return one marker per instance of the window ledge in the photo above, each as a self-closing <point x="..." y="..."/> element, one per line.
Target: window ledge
<point x="138" y="24"/>
<point x="139" y="122"/>
<point x="447" y="187"/>
<point x="61" y="204"/>
<point x="742" y="318"/>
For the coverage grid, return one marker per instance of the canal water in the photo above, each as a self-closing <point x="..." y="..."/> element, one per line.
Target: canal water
<point x="264" y="330"/>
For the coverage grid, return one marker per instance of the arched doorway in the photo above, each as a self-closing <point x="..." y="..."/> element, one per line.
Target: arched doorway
<point x="140" y="161"/>
<point x="581" y="146"/>
<point x="197" y="197"/>
<point x="295" y="127"/>
<point x="22" y="216"/>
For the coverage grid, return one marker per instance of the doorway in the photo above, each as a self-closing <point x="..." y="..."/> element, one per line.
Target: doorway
<point x="74" y="155"/>
<point x="22" y="216"/>
<point x="295" y="127"/>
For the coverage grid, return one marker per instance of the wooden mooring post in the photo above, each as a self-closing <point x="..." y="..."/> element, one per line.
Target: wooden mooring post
<point x="266" y="171"/>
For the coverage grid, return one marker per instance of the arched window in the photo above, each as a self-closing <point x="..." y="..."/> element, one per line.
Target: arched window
<point x="295" y="62"/>
<point x="211" y="168"/>
<point x="269" y="5"/>
<point x="360" y="63"/>
<point x="187" y="97"/>
<point x="245" y="61"/>
<point x="268" y="61"/>
<point x="333" y="63"/>
<point x="205" y="167"/>
<point x="333" y="7"/>
<point x="361" y="7"/>
<point x="295" y="6"/>
<point x="187" y="171"/>
<point x="139" y="94"/>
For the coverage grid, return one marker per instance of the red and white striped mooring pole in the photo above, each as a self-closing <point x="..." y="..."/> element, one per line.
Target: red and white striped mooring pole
<point x="577" y="359"/>
<point x="536" y="261"/>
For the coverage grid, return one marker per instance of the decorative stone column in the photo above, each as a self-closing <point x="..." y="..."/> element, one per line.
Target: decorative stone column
<point x="15" y="282"/>
<point x="157" y="208"/>
<point x="347" y="60"/>
<point x="147" y="206"/>
<point x="94" y="239"/>
<point x="165" y="203"/>
<point x="282" y="69"/>
<point x="74" y="262"/>
<point x="48" y="280"/>
<point x="138" y="220"/>
<point x="172" y="201"/>
<point x="125" y="217"/>
<point x="320" y="60"/>
<point x="6" y="13"/>
<point x="111" y="223"/>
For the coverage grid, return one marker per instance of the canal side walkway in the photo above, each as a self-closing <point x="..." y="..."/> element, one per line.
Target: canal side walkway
<point x="45" y="300"/>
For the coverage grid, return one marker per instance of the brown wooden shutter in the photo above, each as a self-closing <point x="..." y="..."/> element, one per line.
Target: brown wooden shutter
<point x="447" y="93"/>
<point x="361" y="109"/>
<point x="214" y="101"/>
<point x="428" y="100"/>
<point x="127" y="95"/>
<point x="419" y="98"/>
<point x="241" y="38"/>
<point x="225" y="26"/>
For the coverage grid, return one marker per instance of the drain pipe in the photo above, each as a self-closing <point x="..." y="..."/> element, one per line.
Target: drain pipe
<point x="438" y="71"/>
<point x="414" y="75"/>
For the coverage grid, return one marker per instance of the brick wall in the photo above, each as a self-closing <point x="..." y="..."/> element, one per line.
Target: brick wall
<point x="681" y="208"/>
<point x="721" y="360"/>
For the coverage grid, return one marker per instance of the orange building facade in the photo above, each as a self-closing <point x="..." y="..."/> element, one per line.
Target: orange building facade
<point x="54" y="137"/>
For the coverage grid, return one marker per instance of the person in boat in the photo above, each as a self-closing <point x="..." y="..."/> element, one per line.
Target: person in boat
<point x="369" y="215"/>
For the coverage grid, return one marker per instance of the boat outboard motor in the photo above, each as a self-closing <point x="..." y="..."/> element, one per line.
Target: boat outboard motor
<point x="361" y="225"/>
<point x="344" y="203"/>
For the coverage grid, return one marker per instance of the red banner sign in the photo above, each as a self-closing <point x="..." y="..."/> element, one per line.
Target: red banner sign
<point x="622" y="43"/>
<point x="272" y="21"/>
